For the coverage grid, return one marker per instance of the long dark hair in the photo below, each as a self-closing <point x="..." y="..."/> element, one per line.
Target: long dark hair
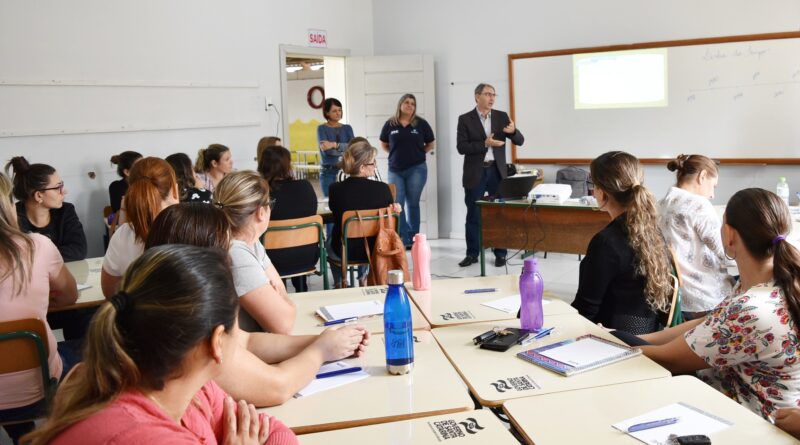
<point x="275" y="164"/>
<point x="192" y="223"/>
<point x="759" y="216"/>
<point x="28" y="178"/>
<point x="182" y="166"/>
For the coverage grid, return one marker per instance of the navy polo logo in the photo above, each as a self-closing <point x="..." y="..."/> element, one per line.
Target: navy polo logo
<point x="471" y="425"/>
<point x="394" y="132"/>
<point x="501" y="386"/>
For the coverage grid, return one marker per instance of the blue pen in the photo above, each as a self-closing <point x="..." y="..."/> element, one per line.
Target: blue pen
<point x="479" y="291"/>
<point x="339" y="321"/>
<point x="543" y="333"/>
<point x="323" y="375"/>
<point x="653" y="424"/>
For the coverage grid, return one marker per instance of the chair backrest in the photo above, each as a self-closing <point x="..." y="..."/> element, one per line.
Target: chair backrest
<point x="393" y="191"/>
<point x="107" y="210"/>
<point x="369" y="226"/>
<point x="26" y="341"/>
<point x="296" y="232"/>
<point x="577" y="178"/>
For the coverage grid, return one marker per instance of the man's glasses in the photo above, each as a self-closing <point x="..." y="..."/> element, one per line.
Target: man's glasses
<point x="489" y="94"/>
<point x="59" y="187"/>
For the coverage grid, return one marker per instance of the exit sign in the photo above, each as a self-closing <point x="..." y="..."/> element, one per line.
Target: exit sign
<point x="318" y="38"/>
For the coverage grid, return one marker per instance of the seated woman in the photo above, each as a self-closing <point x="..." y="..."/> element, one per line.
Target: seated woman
<point x="691" y="226"/>
<point x="152" y="353"/>
<point x="263" y="143"/>
<point x="294" y="198"/>
<point x="624" y="278"/>
<point x="187" y="180"/>
<point x="32" y="279"/>
<point x="117" y="189"/>
<point x="244" y="197"/>
<point x="357" y="192"/>
<point x="41" y="207"/>
<point x="213" y="163"/>
<point x="268" y="369"/>
<point x="747" y="346"/>
<point x="152" y="188"/>
<point x="341" y="176"/>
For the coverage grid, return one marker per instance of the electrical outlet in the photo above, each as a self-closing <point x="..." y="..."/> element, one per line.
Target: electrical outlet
<point x="268" y="101"/>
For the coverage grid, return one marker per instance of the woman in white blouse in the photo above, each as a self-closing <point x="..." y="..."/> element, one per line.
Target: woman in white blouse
<point x="691" y="226"/>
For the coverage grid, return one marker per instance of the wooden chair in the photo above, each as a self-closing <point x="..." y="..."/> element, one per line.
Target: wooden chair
<point x="367" y="228"/>
<point x="298" y="232"/>
<point x="24" y="346"/>
<point x="675" y="315"/>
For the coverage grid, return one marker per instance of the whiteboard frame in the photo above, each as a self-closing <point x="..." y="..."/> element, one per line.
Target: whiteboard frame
<point x="635" y="46"/>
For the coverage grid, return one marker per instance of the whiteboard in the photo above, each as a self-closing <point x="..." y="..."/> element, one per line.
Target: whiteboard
<point x="730" y="101"/>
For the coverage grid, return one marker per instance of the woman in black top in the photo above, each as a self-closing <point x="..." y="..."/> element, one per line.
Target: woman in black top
<point x="41" y="207"/>
<point x="187" y="182"/>
<point x="357" y="192"/>
<point x="294" y="198"/>
<point x="624" y="278"/>
<point x="117" y="189"/>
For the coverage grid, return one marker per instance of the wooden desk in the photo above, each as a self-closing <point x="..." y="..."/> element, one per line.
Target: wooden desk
<point x="307" y="322"/>
<point x="591" y="412"/>
<point x="471" y="427"/>
<point x="541" y="227"/>
<point x="86" y="272"/>
<point x="446" y="304"/>
<point x="432" y="388"/>
<point x="494" y="377"/>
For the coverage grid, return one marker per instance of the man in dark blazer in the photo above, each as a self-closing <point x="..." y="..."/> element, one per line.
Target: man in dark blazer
<point x="481" y="138"/>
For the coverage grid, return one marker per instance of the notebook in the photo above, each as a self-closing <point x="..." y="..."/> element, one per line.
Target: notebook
<point x="691" y="420"/>
<point x="581" y="354"/>
<point x="356" y="309"/>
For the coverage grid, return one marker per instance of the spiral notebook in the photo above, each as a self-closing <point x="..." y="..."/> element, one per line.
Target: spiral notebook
<point x="577" y="355"/>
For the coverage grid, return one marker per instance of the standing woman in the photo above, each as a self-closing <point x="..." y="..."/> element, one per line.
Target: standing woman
<point x="117" y="189"/>
<point x="213" y="163"/>
<point x="152" y="188"/>
<point x="692" y="227"/>
<point x="151" y="356"/>
<point x="41" y="207"/>
<point x="624" y="279"/>
<point x="407" y="138"/>
<point x="333" y="137"/>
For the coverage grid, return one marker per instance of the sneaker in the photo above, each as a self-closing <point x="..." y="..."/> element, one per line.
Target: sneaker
<point x="499" y="262"/>
<point x="468" y="260"/>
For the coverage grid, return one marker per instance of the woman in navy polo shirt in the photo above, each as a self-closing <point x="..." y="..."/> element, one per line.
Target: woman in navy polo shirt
<point x="407" y="138"/>
<point x="333" y="137"/>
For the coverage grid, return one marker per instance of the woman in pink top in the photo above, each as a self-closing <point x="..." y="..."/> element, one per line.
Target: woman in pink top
<point x="151" y="354"/>
<point x="32" y="278"/>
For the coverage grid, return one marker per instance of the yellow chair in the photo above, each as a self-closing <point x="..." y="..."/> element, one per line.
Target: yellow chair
<point x="298" y="232"/>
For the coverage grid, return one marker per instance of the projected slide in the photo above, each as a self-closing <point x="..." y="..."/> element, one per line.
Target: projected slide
<point x="620" y="79"/>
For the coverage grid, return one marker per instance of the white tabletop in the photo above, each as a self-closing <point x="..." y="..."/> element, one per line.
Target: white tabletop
<point x="309" y="323"/>
<point x="470" y="427"/>
<point x="494" y="377"/>
<point x="86" y="272"/>
<point x="549" y="419"/>
<point x="445" y="303"/>
<point x="432" y="388"/>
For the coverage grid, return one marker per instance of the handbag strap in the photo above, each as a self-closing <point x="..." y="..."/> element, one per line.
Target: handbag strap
<point x="366" y="243"/>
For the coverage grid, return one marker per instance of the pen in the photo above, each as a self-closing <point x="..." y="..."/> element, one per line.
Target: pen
<point x="653" y="424"/>
<point x="544" y="333"/>
<point x="480" y="291"/>
<point x="339" y="321"/>
<point x="323" y="375"/>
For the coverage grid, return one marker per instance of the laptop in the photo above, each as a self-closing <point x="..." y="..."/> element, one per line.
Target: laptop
<point x="516" y="187"/>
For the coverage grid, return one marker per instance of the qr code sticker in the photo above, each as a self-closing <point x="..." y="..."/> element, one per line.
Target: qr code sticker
<point x="459" y="315"/>
<point x="375" y="290"/>
<point x="446" y="429"/>
<point x="521" y="383"/>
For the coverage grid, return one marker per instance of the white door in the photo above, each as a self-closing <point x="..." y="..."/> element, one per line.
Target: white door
<point x="374" y="85"/>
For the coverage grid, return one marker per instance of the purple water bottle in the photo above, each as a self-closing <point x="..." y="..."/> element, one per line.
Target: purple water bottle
<point x="531" y="288"/>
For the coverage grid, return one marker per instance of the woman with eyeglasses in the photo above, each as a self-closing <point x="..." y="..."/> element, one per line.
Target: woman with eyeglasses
<point x="41" y="207"/>
<point x="244" y="197"/>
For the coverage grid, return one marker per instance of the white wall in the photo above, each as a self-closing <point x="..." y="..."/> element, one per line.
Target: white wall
<point x="298" y="107"/>
<point x="152" y="41"/>
<point x="471" y="39"/>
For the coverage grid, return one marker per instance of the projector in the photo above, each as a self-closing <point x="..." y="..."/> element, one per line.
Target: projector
<point x="550" y="193"/>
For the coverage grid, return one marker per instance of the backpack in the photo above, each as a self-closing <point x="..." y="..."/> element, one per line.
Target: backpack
<point x="577" y="178"/>
<point x="389" y="252"/>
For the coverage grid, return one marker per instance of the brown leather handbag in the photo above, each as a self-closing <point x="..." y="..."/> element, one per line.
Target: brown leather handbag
<point x="389" y="252"/>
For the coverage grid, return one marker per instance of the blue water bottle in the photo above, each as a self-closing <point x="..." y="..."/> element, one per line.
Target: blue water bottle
<point x="397" y="329"/>
<point x="531" y="288"/>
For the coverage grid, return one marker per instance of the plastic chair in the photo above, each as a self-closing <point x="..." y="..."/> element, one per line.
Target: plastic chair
<point x="298" y="232"/>
<point x="368" y="227"/>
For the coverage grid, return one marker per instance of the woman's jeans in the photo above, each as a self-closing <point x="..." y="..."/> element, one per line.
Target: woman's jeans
<point x="327" y="176"/>
<point x="409" y="183"/>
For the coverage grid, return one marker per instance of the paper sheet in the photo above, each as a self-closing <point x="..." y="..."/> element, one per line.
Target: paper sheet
<point x="324" y="384"/>
<point x="691" y="421"/>
<point x="509" y="305"/>
<point x="350" y="310"/>
<point x="83" y="286"/>
<point x="584" y="352"/>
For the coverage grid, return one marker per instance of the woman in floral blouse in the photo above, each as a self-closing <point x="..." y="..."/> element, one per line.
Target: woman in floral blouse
<point x="747" y="347"/>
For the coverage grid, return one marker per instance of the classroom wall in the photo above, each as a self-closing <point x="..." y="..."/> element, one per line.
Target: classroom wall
<point x="303" y="119"/>
<point x="470" y="40"/>
<point x="154" y="42"/>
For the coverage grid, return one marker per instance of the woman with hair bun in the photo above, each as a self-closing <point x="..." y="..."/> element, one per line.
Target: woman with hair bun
<point x="41" y="207"/>
<point x="624" y="280"/>
<point x="117" y="189"/>
<point x="692" y="228"/>
<point x="213" y="163"/>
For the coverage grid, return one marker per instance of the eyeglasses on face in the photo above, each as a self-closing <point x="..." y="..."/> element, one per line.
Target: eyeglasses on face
<point x="372" y="164"/>
<point x="59" y="187"/>
<point x="488" y="94"/>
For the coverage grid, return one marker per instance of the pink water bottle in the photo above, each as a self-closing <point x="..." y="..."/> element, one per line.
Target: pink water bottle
<point x="531" y="288"/>
<point x="421" y="256"/>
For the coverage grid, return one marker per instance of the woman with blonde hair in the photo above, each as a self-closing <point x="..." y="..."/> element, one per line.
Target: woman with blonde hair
<point x="152" y="187"/>
<point x="33" y="278"/>
<point x="624" y="280"/>
<point x="213" y="163"/>
<point x="691" y="227"/>
<point x="151" y="356"/>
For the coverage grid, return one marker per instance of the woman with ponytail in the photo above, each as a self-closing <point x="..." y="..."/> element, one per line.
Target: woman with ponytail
<point x="691" y="227"/>
<point x="747" y="347"/>
<point x="624" y="280"/>
<point x="152" y="187"/>
<point x="150" y="357"/>
<point x="117" y="189"/>
<point x="213" y="163"/>
<point x="41" y="208"/>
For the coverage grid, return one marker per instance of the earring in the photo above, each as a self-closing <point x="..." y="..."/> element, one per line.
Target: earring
<point x="730" y="258"/>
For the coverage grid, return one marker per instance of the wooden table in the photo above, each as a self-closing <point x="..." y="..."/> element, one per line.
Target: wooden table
<point x="86" y="272"/>
<point x="471" y="427"/>
<point x="432" y="388"/>
<point x="494" y="377"/>
<point x="446" y="304"/>
<point x="538" y="227"/>
<point x="586" y="416"/>
<point x="308" y="323"/>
